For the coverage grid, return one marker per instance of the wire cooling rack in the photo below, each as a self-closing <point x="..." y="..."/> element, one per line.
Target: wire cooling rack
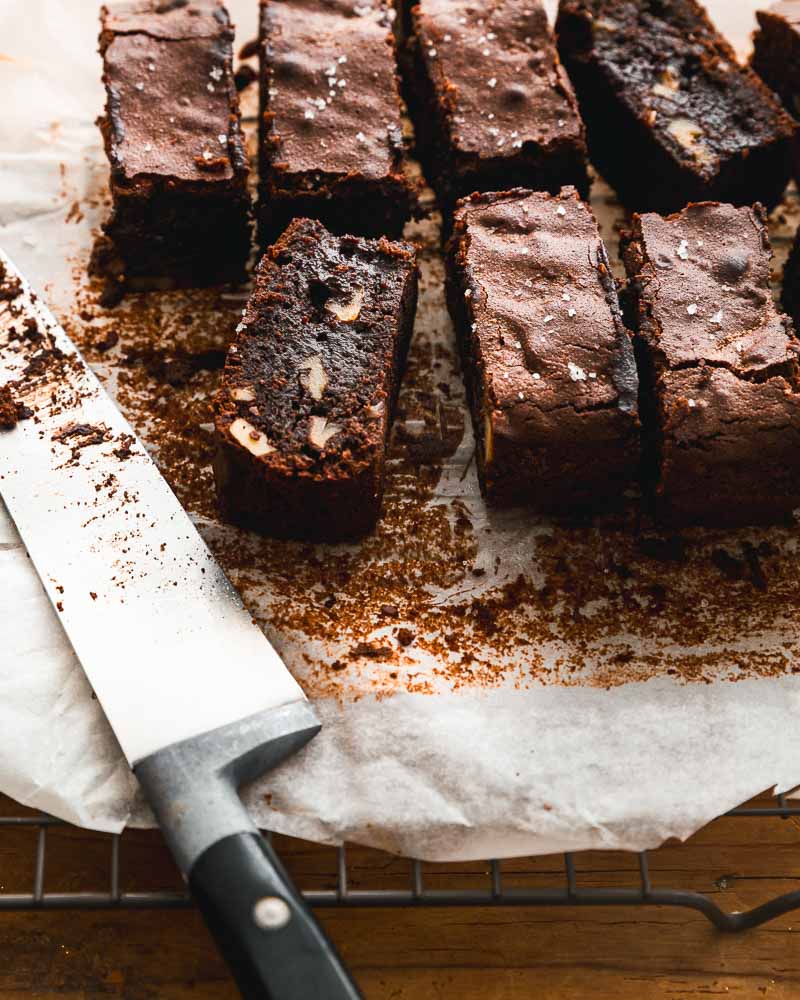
<point x="493" y="892"/>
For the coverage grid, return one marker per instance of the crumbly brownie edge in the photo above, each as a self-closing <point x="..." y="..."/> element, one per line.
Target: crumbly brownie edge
<point x="308" y="506"/>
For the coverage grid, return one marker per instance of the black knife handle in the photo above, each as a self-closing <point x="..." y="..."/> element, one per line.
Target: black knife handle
<point x="266" y="932"/>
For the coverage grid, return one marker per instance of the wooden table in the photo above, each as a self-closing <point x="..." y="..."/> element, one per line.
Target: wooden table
<point x="491" y="954"/>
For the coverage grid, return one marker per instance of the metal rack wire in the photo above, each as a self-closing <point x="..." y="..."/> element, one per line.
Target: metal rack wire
<point x="494" y="893"/>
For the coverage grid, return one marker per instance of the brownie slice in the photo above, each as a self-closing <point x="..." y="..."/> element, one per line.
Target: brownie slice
<point x="719" y="366"/>
<point x="549" y="365"/>
<point x="776" y="52"/>
<point x="331" y="134"/>
<point x="181" y="209"/>
<point x="671" y="116"/>
<point x="491" y="103"/>
<point x="307" y="396"/>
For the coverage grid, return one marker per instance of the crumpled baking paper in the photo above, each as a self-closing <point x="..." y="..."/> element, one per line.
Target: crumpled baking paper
<point x="452" y="772"/>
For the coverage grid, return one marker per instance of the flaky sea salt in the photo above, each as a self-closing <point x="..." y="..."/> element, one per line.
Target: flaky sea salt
<point x="683" y="250"/>
<point x="492" y="83"/>
<point x="576" y="373"/>
<point x="692" y="309"/>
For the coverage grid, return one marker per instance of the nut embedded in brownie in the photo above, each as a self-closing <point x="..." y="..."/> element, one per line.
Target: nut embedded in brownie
<point x="548" y="363"/>
<point x="307" y="396"/>
<point x="491" y="103"/>
<point x="331" y="145"/>
<point x="181" y="210"/>
<point x="719" y="366"/>
<point x="671" y="116"/>
<point x="776" y="51"/>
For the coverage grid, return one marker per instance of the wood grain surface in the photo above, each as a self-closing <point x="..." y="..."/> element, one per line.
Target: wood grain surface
<point x="491" y="954"/>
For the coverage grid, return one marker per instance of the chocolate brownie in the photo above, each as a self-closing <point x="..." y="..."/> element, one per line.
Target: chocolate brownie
<point x="491" y="103"/>
<point x="181" y="209"/>
<point x="307" y="396"/>
<point x="549" y="365"/>
<point x="671" y="116"/>
<point x="331" y="134"/>
<point x="719" y="366"/>
<point x="776" y="51"/>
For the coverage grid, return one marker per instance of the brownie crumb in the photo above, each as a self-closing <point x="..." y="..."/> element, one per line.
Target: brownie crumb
<point x="12" y="411"/>
<point x="371" y="652"/>
<point x="107" y="341"/>
<point x="405" y="636"/>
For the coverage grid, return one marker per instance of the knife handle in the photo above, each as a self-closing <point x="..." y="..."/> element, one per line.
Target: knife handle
<point x="266" y="932"/>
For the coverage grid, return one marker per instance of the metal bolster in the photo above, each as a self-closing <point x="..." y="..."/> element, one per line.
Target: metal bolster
<point x="193" y="786"/>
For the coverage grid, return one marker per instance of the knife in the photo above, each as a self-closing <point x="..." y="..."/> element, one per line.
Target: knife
<point x="197" y="697"/>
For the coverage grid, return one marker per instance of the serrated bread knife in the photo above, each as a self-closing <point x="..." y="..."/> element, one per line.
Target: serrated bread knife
<point x="198" y="699"/>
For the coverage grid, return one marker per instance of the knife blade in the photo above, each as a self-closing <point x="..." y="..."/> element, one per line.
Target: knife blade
<point x="199" y="700"/>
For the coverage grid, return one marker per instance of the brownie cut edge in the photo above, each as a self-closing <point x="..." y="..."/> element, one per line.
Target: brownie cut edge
<point x="308" y="392"/>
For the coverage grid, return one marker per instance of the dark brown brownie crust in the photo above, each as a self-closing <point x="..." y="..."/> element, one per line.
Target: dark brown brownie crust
<point x="172" y="134"/>
<point x="549" y="366"/>
<point x="719" y="367"/>
<point x="776" y="51"/>
<point x="307" y="396"/>
<point x="331" y="144"/>
<point x="492" y="106"/>
<point x="671" y="116"/>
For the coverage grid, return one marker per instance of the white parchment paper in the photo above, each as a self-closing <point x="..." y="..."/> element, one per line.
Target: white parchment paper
<point x="613" y="729"/>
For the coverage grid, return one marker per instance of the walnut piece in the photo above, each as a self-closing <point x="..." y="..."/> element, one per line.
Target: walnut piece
<point x="243" y="394"/>
<point x="248" y="437"/>
<point x="690" y="135"/>
<point x="312" y="376"/>
<point x="320" y="431"/>
<point x="349" y="310"/>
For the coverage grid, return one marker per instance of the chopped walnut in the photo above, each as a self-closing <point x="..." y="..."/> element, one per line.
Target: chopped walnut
<point x="320" y="431"/>
<point x="313" y="377"/>
<point x="248" y="437"/>
<point x="349" y="310"/>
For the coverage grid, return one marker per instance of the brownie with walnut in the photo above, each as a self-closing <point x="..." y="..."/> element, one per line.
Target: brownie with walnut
<point x="307" y="396"/>
<point x="720" y="367"/>
<point x="172" y="134"/>
<point x="549" y="365"/>
<point x="671" y="116"/>
<point x="491" y="103"/>
<point x="331" y="144"/>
